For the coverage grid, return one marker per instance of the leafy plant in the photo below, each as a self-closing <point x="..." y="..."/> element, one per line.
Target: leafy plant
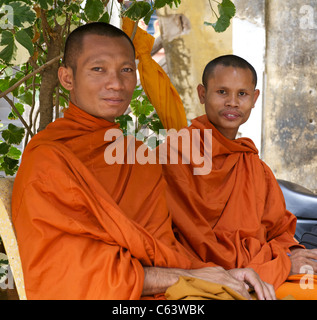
<point x="226" y="11"/>
<point x="9" y="154"/>
<point x="142" y="121"/>
<point x="4" y="264"/>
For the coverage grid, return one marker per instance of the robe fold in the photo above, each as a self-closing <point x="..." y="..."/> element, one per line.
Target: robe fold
<point x="235" y="216"/>
<point x="85" y="228"/>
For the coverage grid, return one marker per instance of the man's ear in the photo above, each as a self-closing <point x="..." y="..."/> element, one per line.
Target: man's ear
<point x="256" y="95"/>
<point x="66" y="77"/>
<point x="201" y="93"/>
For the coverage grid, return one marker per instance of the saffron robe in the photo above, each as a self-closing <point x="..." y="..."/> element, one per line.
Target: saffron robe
<point x="235" y="216"/>
<point x="85" y="228"/>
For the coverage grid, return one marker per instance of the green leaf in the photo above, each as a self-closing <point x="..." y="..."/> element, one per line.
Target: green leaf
<point x="221" y="25"/>
<point x="14" y="153"/>
<point x="4" y="148"/>
<point x="26" y="98"/>
<point x="135" y="107"/>
<point x="105" y="18"/>
<point x="20" y="108"/>
<point x="6" y="46"/>
<point x="156" y="125"/>
<point x="160" y="4"/>
<point x="146" y="107"/>
<point x="143" y="119"/>
<point x="138" y="10"/>
<point x="13" y="135"/>
<point x="10" y="166"/>
<point x="137" y="93"/>
<point x="94" y="9"/>
<point x="24" y="39"/>
<point x="11" y="50"/>
<point x="4" y="84"/>
<point x="45" y="4"/>
<point x="227" y="8"/>
<point x="73" y="8"/>
<point x="21" y="15"/>
<point x="147" y="18"/>
<point x="123" y="122"/>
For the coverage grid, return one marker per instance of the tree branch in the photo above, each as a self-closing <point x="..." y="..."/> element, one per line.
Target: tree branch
<point x="19" y="115"/>
<point x="135" y="29"/>
<point x="41" y="68"/>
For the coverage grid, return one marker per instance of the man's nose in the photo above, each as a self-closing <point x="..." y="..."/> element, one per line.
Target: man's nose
<point x="114" y="81"/>
<point x="232" y="101"/>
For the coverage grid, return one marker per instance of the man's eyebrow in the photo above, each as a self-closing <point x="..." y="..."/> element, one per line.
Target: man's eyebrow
<point x="101" y="61"/>
<point x="226" y="88"/>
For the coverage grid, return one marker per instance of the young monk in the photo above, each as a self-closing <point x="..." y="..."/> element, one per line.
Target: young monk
<point x="235" y="215"/>
<point x="87" y="229"/>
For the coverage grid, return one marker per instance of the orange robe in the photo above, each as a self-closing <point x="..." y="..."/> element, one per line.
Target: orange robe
<point x="235" y="216"/>
<point x="85" y="228"/>
<point x="169" y="107"/>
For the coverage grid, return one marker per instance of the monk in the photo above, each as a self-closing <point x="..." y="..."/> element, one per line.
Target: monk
<point x="234" y="214"/>
<point x="88" y="229"/>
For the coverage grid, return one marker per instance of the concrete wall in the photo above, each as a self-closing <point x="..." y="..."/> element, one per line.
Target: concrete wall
<point x="290" y="113"/>
<point x="249" y="42"/>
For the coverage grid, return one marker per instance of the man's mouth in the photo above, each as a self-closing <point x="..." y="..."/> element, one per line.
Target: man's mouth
<point x="113" y="100"/>
<point x="231" y="115"/>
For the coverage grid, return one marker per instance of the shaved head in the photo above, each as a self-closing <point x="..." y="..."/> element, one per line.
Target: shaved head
<point x="74" y="42"/>
<point x="228" y="61"/>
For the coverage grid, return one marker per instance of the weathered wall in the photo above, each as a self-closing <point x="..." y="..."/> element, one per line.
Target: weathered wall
<point x="189" y="46"/>
<point x="290" y="111"/>
<point x="249" y="42"/>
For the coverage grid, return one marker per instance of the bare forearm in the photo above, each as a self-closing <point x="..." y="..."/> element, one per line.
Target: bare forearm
<point x="157" y="280"/>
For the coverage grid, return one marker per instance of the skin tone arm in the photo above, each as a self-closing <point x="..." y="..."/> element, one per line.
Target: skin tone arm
<point x="303" y="258"/>
<point x="157" y="280"/>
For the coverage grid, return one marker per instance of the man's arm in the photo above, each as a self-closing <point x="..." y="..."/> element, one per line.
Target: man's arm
<point x="302" y="260"/>
<point x="157" y="280"/>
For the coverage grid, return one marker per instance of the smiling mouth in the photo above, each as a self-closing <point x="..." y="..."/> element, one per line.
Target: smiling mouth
<point x="231" y="115"/>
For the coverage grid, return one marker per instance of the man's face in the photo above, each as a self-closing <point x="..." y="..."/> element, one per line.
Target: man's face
<point x="105" y="76"/>
<point x="228" y="98"/>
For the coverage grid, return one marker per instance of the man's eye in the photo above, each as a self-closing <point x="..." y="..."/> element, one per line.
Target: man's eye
<point x="127" y="70"/>
<point x="221" y="91"/>
<point x="98" y="69"/>
<point x="241" y="94"/>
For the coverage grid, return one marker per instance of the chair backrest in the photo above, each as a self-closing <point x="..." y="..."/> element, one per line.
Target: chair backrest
<point x="8" y="236"/>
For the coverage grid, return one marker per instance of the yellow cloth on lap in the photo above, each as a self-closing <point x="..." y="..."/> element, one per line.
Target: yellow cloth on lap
<point x="196" y="289"/>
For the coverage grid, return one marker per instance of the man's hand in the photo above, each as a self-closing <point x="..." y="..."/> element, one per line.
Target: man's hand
<point x="251" y="279"/>
<point x="240" y="280"/>
<point x="303" y="260"/>
<point x="157" y="280"/>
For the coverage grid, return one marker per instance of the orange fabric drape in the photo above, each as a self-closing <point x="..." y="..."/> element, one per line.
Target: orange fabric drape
<point x="155" y="81"/>
<point x="85" y="228"/>
<point x="235" y="216"/>
<point x="268" y="258"/>
<point x="300" y="286"/>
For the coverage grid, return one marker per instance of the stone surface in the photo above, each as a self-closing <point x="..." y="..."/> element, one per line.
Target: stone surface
<point x="290" y="111"/>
